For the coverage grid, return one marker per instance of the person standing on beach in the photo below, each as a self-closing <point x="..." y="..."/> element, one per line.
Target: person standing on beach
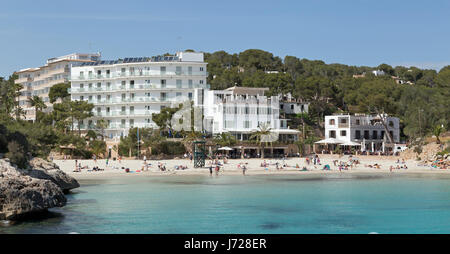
<point x="107" y="160"/>
<point x="217" y="170"/>
<point x="210" y="170"/>
<point x="76" y="164"/>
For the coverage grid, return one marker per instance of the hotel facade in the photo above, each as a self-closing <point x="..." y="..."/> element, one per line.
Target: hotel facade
<point x="126" y="92"/>
<point x="38" y="81"/>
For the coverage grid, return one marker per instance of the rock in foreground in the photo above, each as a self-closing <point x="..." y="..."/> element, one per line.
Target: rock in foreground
<point x="35" y="189"/>
<point x="23" y="195"/>
<point x="42" y="169"/>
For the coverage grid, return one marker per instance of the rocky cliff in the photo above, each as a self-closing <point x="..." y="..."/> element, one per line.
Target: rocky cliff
<point x="37" y="188"/>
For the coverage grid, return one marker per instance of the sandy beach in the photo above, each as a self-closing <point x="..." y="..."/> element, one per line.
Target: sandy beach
<point x="116" y="168"/>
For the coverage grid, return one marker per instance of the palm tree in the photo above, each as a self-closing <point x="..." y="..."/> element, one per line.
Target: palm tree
<point x="263" y="136"/>
<point x="38" y="104"/>
<point x="225" y="139"/>
<point x="437" y="131"/>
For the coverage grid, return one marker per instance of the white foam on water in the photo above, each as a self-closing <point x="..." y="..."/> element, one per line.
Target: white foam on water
<point x="373" y="233"/>
<point x="74" y="233"/>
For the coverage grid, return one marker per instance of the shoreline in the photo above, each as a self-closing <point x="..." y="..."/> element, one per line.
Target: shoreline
<point x="114" y="168"/>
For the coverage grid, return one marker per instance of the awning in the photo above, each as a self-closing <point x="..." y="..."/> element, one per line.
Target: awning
<point x="226" y="148"/>
<point x="330" y="141"/>
<point x="350" y="143"/>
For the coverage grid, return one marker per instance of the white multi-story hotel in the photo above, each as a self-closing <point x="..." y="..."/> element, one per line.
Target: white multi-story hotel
<point x="241" y="110"/>
<point x="126" y="92"/>
<point x="366" y="131"/>
<point x="38" y="81"/>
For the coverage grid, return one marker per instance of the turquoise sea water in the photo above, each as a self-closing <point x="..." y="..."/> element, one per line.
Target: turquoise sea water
<point x="251" y="204"/>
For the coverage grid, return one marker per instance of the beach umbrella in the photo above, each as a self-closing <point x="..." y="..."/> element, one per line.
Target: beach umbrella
<point x="350" y="143"/>
<point x="225" y="148"/>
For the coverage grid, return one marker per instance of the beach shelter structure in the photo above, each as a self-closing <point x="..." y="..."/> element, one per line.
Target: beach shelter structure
<point x="199" y="153"/>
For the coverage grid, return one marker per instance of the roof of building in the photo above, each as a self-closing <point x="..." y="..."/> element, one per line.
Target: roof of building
<point x="247" y="90"/>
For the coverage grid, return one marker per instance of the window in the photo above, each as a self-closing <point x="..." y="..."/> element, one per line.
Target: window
<point x="331" y="122"/>
<point x="190" y="83"/>
<point x="374" y="135"/>
<point x="163" y="83"/>
<point x="391" y="124"/>
<point x="178" y="70"/>
<point x="178" y="94"/>
<point x="332" y="134"/>
<point x="366" y="135"/>
<point x="163" y="69"/>
<point x="179" y="83"/>
<point x="292" y="106"/>
<point x="201" y="81"/>
<point x="163" y="96"/>
<point x="357" y="134"/>
<point x="201" y="69"/>
<point x="343" y="133"/>
<point x="343" y="120"/>
<point x="357" y="122"/>
<point x="190" y="96"/>
<point x="247" y="124"/>
<point x="99" y="98"/>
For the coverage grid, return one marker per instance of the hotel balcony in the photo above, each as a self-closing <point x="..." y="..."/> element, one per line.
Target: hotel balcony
<point x="139" y="74"/>
<point x="136" y="88"/>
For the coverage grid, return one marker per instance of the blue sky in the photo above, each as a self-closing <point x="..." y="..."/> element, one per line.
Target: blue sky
<point x="358" y="32"/>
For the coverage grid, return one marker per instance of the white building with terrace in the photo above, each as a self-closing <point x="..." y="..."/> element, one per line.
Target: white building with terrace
<point x="364" y="132"/>
<point x="241" y="111"/>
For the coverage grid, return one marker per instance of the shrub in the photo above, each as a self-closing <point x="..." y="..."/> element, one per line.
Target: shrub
<point x="16" y="154"/>
<point x="169" y="148"/>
